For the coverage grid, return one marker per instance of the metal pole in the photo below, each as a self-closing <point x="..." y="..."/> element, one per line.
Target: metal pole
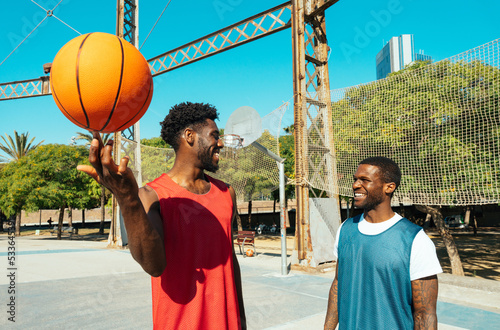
<point x="281" y="167"/>
<point x="284" y="263"/>
<point x="302" y="234"/>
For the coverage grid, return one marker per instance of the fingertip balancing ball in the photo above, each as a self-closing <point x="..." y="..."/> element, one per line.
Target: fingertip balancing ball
<point x="249" y="253"/>
<point x="101" y="82"/>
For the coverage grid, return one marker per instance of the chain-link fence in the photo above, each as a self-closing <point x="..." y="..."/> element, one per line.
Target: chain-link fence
<point x="253" y="174"/>
<point x="440" y="122"/>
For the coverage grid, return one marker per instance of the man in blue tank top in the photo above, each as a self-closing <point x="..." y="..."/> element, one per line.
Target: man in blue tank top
<point x="386" y="275"/>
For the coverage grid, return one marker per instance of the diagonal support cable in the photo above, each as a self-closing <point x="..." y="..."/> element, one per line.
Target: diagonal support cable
<point x="48" y="13"/>
<point x="154" y="25"/>
<point x="12" y="52"/>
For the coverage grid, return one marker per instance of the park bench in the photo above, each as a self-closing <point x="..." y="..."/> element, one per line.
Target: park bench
<point x="246" y="238"/>
<point x="64" y="230"/>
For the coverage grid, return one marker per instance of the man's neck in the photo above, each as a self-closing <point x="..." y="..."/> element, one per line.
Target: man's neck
<point x="378" y="214"/>
<point x="190" y="177"/>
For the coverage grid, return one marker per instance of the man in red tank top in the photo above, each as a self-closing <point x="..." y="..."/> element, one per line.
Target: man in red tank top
<point x="179" y="225"/>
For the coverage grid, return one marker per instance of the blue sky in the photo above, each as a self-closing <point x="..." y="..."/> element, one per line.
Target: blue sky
<point x="258" y="74"/>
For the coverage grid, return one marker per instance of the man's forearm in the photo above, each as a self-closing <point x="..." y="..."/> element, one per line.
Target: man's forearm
<point x="144" y="241"/>
<point x="425" y="321"/>
<point x="332" y="317"/>
<point x="425" y="292"/>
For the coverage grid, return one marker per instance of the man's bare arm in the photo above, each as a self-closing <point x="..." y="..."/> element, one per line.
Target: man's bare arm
<point x="140" y="210"/>
<point x="236" y="266"/>
<point x="332" y="315"/>
<point x="425" y="292"/>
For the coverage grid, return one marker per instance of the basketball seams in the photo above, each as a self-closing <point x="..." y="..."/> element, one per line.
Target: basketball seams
<point x="140" y="111"/>
<point x="94" y="89"/>
<point x="119" y="86"/>
<point x="78" y="80"/>
<point x="62" y="107"/>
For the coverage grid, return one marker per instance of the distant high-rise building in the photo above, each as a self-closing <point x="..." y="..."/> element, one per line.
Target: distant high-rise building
<point x="396" y="54"/>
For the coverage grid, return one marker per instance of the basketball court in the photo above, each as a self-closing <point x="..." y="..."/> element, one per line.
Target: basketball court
<point x="84" y="285"/>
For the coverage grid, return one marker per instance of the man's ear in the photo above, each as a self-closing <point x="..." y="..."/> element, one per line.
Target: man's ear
<point x="189" y="136"/>
<point x="390" y="187"/>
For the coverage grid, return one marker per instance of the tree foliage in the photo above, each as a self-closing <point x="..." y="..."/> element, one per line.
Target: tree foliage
<point x="48" y="178"/>
<point x="440" y="122"/>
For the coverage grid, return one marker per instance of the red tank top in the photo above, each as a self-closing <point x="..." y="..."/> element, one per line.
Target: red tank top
<point x="197" y="288"/>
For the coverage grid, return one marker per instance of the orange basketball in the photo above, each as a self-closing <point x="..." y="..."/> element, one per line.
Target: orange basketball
<point x="101" y="82"/>
<point x="249" y="253"/>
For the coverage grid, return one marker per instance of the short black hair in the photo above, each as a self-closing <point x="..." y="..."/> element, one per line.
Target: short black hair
<point x="182" y="116"/>
<point x="389" y="170"/>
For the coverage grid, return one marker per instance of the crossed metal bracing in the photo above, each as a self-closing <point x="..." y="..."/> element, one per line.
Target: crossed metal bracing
<point x="25" y="88"/>
<point x="319" y="153"/>
<point x="130" y="18"/>
<point x="314" y="165"/>
<point x="255" y="27"/>
<point x="127" y="28"/>
<point x="258" y="26"/>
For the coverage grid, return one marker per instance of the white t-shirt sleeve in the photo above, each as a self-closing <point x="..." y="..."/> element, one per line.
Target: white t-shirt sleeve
<point x="336" y="246"/>
<point x="423" y="261"/>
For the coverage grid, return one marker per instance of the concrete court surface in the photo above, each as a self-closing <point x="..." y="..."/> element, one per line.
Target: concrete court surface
<point x="83" y="285"/>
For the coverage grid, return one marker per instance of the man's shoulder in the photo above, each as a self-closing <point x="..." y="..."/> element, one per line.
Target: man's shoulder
<point x="354" y="219"/>
<point x="408" y="227"/>
<point x="163" y="179"/>
<point x="218" y="183"/>
<point x="410" y="224"/>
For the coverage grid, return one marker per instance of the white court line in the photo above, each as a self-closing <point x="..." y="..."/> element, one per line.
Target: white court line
<point x="286" y="290"/>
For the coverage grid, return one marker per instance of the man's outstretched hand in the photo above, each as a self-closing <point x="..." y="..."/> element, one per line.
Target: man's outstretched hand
<point x="119" y="179"/>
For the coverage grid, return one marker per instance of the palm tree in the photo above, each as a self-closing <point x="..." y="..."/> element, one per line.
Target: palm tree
<point x="17" y="147"/>
<point x="89" y="137"/>
<point x="105" y="138"/>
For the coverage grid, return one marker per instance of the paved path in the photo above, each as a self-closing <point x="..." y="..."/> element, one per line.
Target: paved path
<point x="82" y="285"/>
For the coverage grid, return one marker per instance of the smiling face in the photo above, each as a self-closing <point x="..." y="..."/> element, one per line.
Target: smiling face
<point x="369" y="188"/>
<point x="209" y="146"/>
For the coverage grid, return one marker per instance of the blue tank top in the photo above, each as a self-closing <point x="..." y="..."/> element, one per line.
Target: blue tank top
<point x="374" y="285"/>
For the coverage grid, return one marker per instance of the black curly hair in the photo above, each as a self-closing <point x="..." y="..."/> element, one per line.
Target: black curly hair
<point x="183" y="115"/>
<point x="389" y="170"/>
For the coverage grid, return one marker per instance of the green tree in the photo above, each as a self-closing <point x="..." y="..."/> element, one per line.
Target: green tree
<point x="156" y="142"/>
<point x="15" y="187"/>
<point x="17" y="147"/>
<point x="46" y="178"/>
<point x="105" y="194"/>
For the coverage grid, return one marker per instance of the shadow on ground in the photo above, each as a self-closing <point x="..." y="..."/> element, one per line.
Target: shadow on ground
<point x="479" y="254"/>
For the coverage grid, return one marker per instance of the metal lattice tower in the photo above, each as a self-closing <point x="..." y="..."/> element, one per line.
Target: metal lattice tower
<point x="127" y="27"/>
<point x="314" y="152"/>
